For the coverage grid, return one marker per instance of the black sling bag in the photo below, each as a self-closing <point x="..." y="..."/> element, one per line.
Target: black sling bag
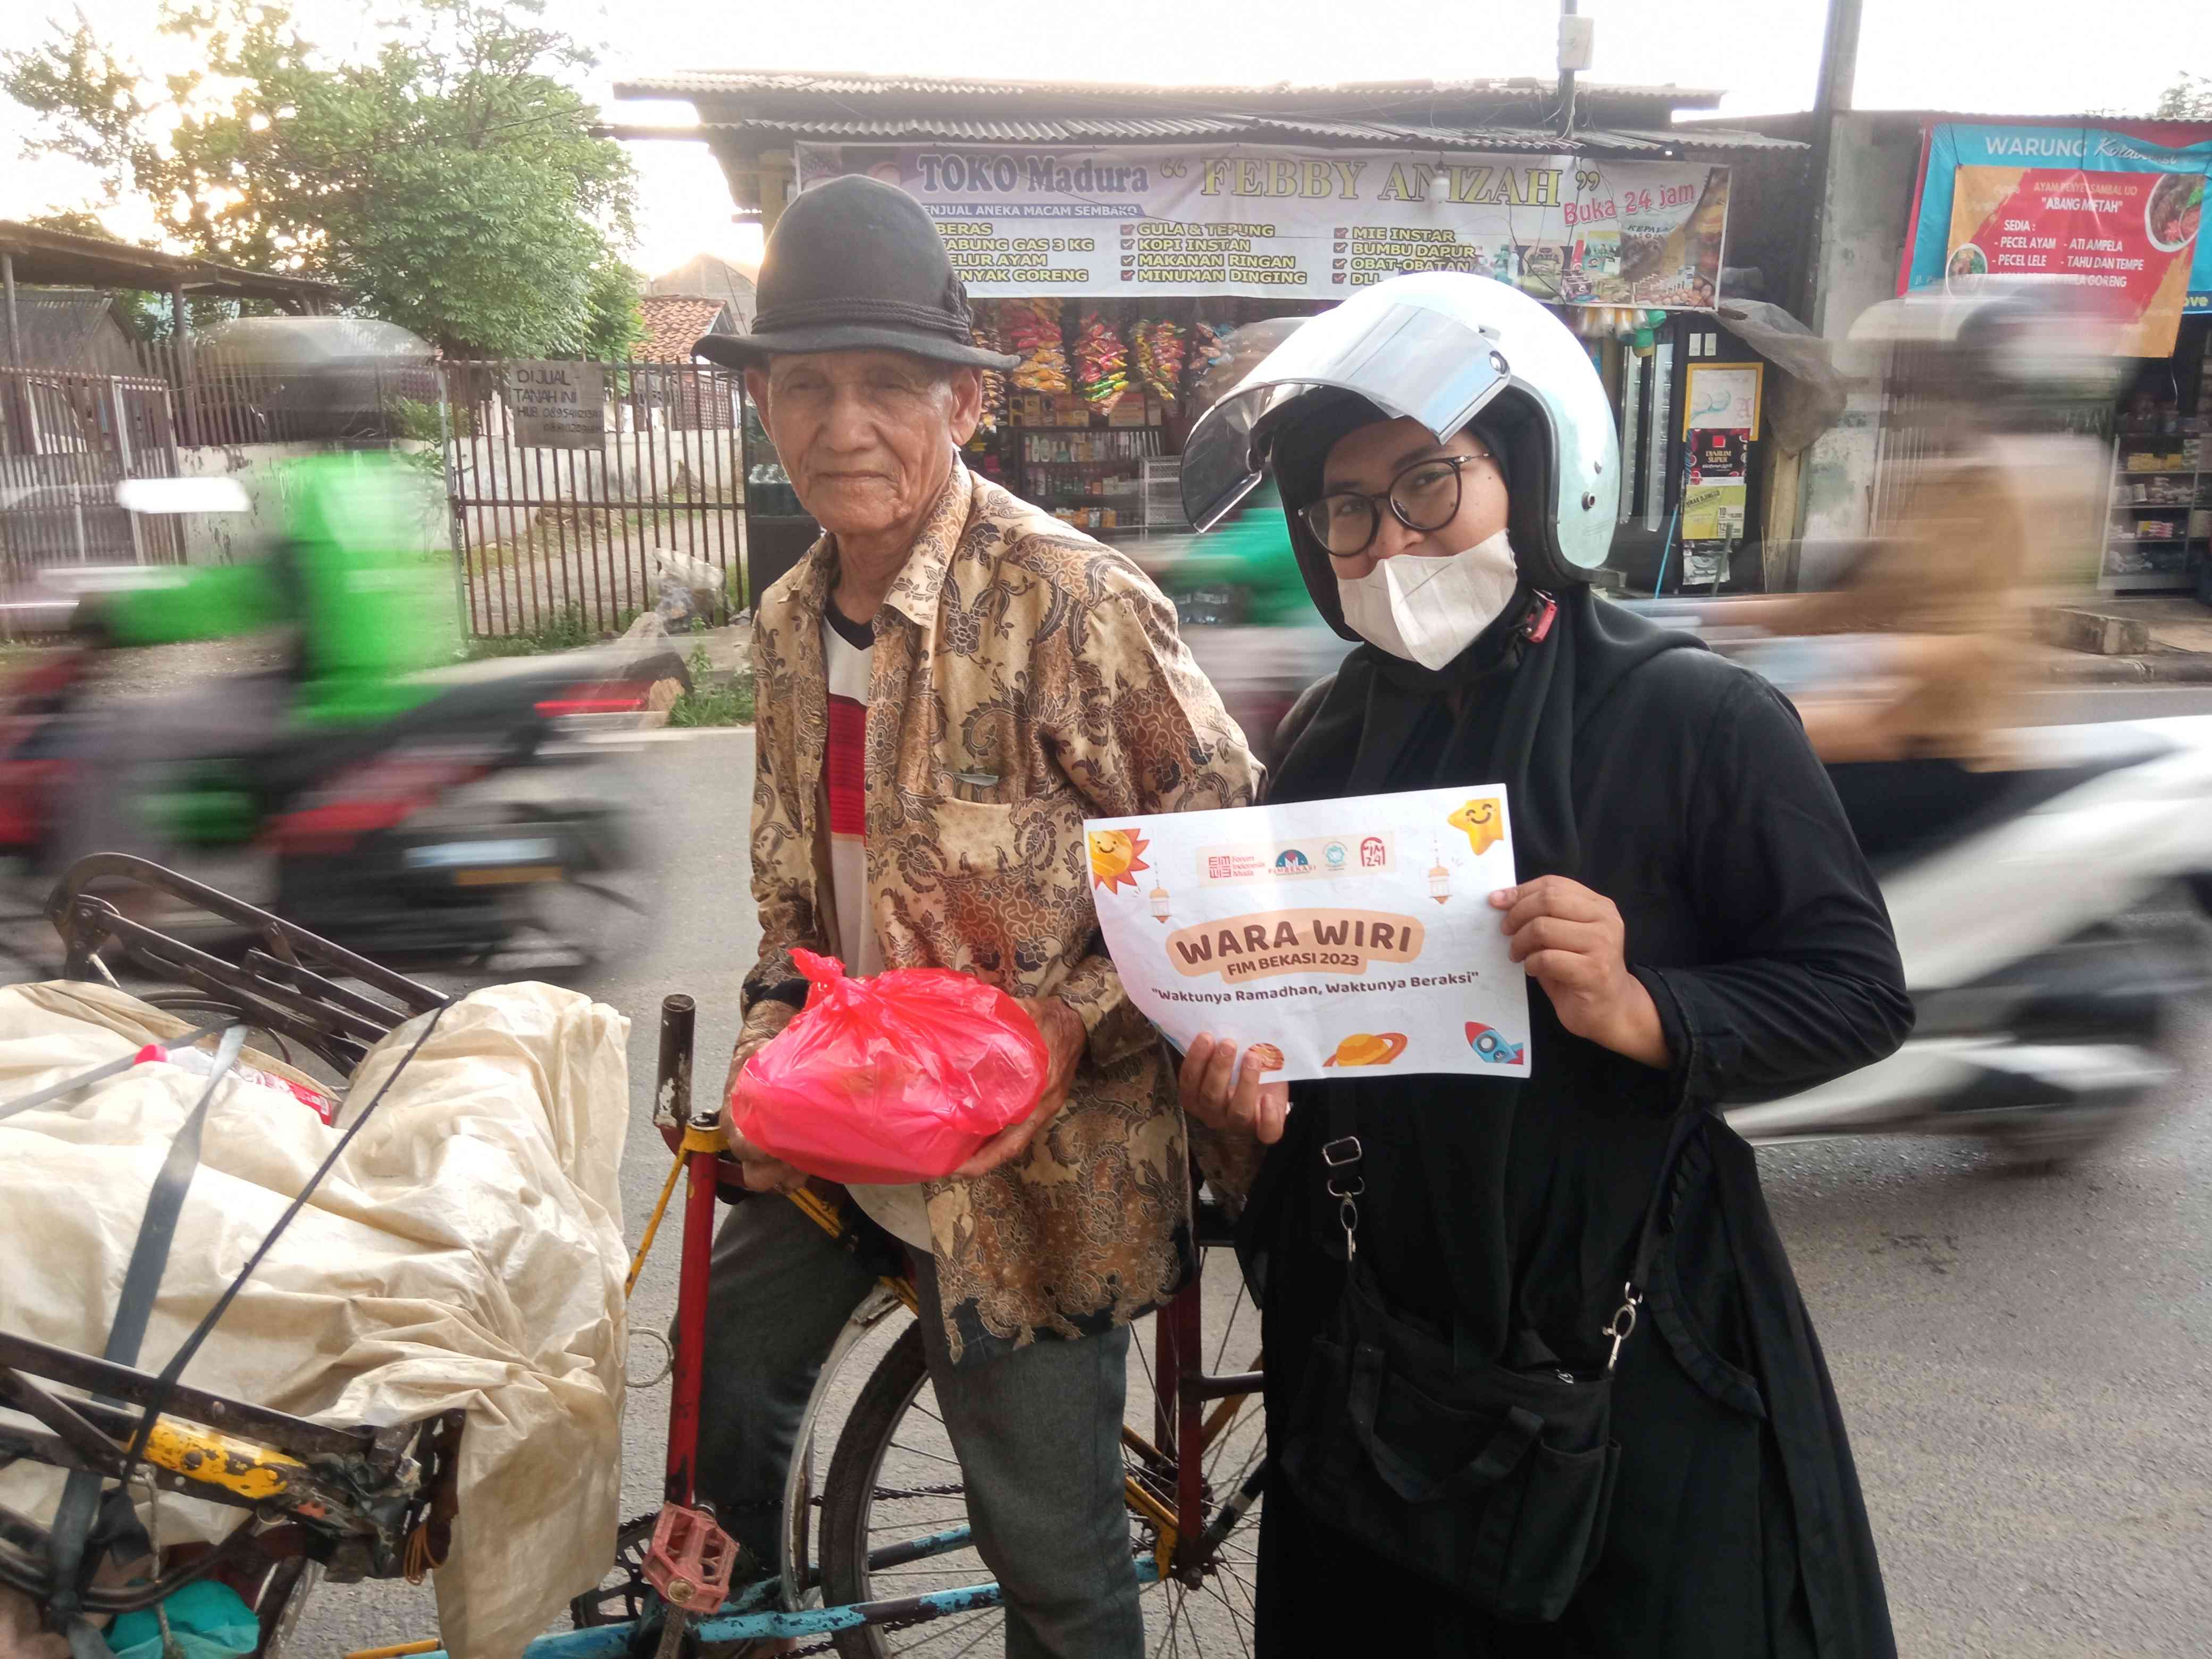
<point x="1492" y="1479"/>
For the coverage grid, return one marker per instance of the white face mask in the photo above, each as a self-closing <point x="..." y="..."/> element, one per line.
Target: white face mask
<point x="1429" y="609"/>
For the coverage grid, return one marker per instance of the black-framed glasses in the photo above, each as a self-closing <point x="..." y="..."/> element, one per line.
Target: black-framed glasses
<point x="1423" y="497"/>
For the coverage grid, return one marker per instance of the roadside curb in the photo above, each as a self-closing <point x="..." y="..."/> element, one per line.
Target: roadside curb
<point x="2174" y="668"/>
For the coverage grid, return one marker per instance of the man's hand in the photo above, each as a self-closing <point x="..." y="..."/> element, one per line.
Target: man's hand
<point x="1571" y="939"/>
<point x="1223" y="1095"/>
<point x="760" y="1172"/>
<point x="1065" y="1037"/>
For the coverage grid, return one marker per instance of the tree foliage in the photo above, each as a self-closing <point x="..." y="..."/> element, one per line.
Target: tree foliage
<point x="450" y="183"/>
<point x="2188" y="99"/>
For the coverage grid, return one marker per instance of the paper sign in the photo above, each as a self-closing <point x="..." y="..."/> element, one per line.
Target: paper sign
<point x="558" y="405"/>
<point x="1349" y="936"/>
<point x="1724" y="396"/>
<point x="1713" y="512"/>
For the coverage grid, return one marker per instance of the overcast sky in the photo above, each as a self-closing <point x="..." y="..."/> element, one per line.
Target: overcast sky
<point x="2010" y="57"/>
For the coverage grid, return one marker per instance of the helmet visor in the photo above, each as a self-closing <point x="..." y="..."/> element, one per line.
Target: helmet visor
<point x="1407" y="359"/>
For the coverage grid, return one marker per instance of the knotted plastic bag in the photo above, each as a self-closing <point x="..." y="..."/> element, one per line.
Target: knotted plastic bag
<point x="895" y="1079"/>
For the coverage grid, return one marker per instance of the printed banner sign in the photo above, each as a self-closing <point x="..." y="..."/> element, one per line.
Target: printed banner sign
<point x="2094" y="205"/>
<point x="1347" y="935"/>
<point x="1288" y="223"/>
<point x="558" y="405"/>
<point x="2131" y="233"/>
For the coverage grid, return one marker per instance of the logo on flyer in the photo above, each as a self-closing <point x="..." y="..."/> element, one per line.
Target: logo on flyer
<point x="1289" y="860"/>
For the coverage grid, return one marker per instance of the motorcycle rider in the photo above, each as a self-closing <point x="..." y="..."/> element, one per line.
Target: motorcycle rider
<point x="1908" y="692"/>
<point x="1697" y="924"/>
<point x="367" y="600"/>
<point x="1276" y="645"/>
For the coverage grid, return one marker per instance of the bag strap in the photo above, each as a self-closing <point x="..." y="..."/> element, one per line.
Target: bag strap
<point x="1341" y="1156"/>
<point x="1687" y="1124"/>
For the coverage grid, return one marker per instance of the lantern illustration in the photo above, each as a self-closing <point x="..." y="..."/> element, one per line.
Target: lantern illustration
<point x="1160" y="904"/>
<point x="1439" y="883"/>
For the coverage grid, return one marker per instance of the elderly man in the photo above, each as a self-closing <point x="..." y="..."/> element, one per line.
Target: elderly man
<point x="951" y="681"/>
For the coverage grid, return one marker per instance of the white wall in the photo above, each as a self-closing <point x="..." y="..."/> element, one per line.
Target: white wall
<point x="228" y="538"/>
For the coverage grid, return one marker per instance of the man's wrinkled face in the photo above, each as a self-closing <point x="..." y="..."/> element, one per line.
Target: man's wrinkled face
<point x="867" y="437"/>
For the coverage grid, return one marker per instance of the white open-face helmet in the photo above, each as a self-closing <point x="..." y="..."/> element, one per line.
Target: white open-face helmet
<point x="1450" y="350"/>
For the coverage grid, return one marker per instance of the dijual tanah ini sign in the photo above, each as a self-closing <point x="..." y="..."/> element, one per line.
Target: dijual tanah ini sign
<point x="1305" y="224"/>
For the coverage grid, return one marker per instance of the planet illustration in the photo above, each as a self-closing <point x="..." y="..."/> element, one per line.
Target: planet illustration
<point x="1368" y="1049"/>
<point x="1115" y="857"/>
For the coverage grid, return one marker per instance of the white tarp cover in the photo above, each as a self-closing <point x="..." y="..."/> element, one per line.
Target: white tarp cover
<point x="467" y="1251"/>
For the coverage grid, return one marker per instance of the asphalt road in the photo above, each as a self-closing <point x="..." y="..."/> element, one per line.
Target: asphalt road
<point x="2024" y="1360"/>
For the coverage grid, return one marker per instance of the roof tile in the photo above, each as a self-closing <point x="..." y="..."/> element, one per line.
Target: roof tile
<point x="672" y="323"/>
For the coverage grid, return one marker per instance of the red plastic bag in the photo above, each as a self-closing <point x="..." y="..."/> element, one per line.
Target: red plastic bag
<point x="895" y="1079"/>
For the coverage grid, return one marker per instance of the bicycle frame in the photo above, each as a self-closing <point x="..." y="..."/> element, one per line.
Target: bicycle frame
<point x="1172" y="1499"/>
<point x="366" y="1502"/>
<point x="290" y="985"/>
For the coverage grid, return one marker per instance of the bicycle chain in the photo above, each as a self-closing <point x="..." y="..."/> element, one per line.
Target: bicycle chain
<point x="890" y="1627"/>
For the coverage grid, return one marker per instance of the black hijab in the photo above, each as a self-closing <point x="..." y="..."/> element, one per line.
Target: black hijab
<point x="1506" y="710"/>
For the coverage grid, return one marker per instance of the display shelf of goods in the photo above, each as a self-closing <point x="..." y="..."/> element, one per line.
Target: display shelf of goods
<point x="1125" y="444"/>
<point x="1208" y="345"/>
<point x="1032" y="328"/>
<point x="986" y="335"/>
<point x="1102" y="362"/>
<point x="1160" y="350"/>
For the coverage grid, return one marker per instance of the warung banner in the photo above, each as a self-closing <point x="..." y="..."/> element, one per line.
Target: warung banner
<point x="1290" y="223"/>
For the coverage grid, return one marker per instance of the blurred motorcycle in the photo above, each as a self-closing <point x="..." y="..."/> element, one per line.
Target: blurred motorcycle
<point x="1241" y="604"/>
<point x="463" y="816"/>
<point x="2051" y="917"/>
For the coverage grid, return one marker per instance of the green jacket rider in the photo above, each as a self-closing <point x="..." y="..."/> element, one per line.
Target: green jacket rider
<point x="372" y="604"/>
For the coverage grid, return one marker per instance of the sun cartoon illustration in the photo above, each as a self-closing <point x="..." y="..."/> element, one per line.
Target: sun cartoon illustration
<point x="1116" y="855"/>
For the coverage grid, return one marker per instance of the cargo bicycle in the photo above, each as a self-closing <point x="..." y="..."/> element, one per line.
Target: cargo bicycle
<point x="879" y="1557"/>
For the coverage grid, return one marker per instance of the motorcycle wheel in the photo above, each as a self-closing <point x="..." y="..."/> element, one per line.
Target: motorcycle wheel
<point x="2150" y="959"/>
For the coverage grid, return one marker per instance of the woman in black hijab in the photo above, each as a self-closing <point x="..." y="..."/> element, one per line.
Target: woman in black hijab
<point x="1473" y="1446"/>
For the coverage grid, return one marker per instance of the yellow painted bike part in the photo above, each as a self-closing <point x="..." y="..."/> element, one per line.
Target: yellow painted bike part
<point x="652" y="1227"/>
<point x="252" y="1472"/>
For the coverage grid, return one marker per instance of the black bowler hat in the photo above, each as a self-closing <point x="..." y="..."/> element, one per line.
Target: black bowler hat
<point x="855" y="265"/>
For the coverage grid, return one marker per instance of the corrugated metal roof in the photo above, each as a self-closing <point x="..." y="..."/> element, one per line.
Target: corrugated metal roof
<point x="1398" y="135"/>
<point x="958" y="131"/>
<point x="1690" y="137"/>
<point x="840" y="84"/>
<point x="1250" y="129"/>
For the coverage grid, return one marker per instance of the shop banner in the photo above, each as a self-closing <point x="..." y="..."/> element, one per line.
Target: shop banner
<point x="1306" y="224"/>
<point x="2095" y="205"/>
<point x="1347" y="936"/>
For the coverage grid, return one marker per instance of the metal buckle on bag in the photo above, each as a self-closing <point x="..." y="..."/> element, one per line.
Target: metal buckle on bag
<point x="1342" y="1157"/>
<point x="1622" y="1322"/>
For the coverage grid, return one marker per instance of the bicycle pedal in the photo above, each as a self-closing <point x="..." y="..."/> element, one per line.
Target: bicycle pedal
<point x="689" y="1559"/>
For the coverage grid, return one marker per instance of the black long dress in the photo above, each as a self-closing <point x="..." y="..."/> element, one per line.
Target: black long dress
<point x="1681" y="787"/>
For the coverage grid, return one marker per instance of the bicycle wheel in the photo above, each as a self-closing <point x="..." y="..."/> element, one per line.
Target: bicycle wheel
<point x="895" y="1494"/>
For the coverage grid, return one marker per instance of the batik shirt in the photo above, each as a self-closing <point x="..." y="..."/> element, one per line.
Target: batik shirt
<point x="1023" y="678"/>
